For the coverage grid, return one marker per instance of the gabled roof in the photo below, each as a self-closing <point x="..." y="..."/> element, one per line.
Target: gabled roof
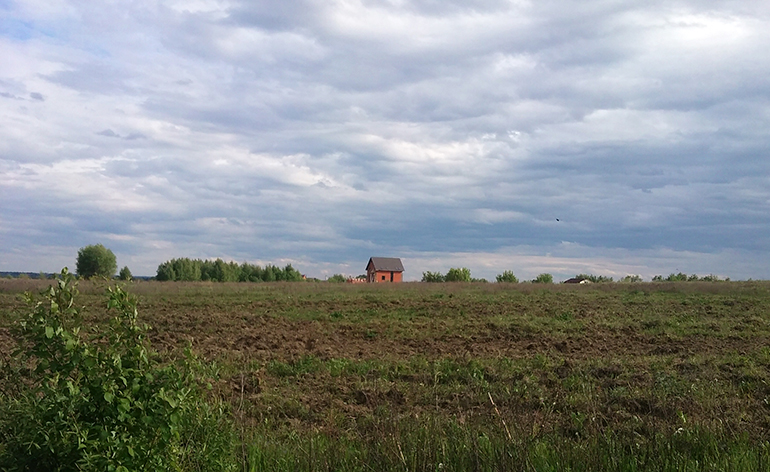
<point x="577" y="280"/>
<point x="389" y="264"/>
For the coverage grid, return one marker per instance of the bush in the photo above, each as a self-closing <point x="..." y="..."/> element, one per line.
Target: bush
<point x="429" y="276"/>
<point x="125" y="274"/>
<point x="337" y="278"/>
<point x="631" y="279"/>
<point x="543" y="279"/>
<point x="96" y="261"/>
<point x="508" y="277"/>
<point x="597" y="279"/>
<point x="102" y="403"/>
<point x="458" y="275"/>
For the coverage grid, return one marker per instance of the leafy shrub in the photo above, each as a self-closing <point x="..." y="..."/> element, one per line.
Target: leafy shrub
<point x="631" y="279"/>
<point x="429" y="276"/>
<point x="597" y="279"/>
<point x="458" y="275"/>
<point x="543" y="279"/>
<point x="70" y="402"/>
<point x="337" y="278"/>
<point x="508" y="277"/>
<point x="96" y="261"/>
<point x="125" y="274"/>
<point x="682" y="277"/>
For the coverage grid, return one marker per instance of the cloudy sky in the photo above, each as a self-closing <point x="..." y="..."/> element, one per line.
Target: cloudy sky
<point x="446" y="132"/>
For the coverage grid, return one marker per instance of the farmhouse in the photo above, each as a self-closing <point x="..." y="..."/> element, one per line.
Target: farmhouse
<point x="384" y="269"/>
<point x="577" y="280"/>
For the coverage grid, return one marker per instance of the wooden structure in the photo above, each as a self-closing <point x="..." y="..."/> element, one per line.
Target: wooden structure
<point x="384" y="269"/>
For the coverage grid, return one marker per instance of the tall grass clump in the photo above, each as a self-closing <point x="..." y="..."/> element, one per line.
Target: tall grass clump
<point x="102" y="401"/>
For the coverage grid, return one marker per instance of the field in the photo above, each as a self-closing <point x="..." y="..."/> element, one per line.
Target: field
<point x="319" y="376"/>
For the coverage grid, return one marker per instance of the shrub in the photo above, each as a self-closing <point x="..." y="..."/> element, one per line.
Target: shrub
<point x="125" y="274"/>
<point x="631" y="279"/>
<point x="508" y="277"/>
<point x="597" y="279"/>
<point x="96" y="261"/>
<point x="102" y="403"/>
<point x="429" y="276"/>
<point x="337" y="278"/>
<point x="543" y="279"/>
<point x="458" y="275"/>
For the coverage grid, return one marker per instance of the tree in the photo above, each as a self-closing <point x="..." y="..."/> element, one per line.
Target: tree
<point x="96" y="261"/>
<point x="166" y="272"/>
<point x="543" y="279"/>
<point x="458" y="275"/>
<point x="507" y="276"/>
<point x="432" y="277"/>
<point x="125" y="274"/>
<point x="337" y="278"/>
<point x="631" y="279"/>
<point x="597" y="279"/>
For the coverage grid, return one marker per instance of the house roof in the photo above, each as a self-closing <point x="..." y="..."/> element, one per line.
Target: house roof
<point x="577" y="280"/>
<point x="390" y="264"/>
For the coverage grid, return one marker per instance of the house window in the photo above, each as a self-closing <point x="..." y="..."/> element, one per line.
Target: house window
<point x="383" y="277"/>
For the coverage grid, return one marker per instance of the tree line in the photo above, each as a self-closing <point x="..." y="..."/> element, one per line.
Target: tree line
<point x="98" y="261"/>
<point x="194" y="270"/>
<point x="464" y="275"/>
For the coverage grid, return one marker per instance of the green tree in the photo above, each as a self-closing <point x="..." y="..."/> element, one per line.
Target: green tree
<point x="96" y="261"/>
<point x="543" y="279"/>
<point x="125" y="274"/>
<point x="166" y="272"/>
<point x="458" y="275"/>
<point x="679" y="277"/>
<point x="507" y="276"/>
<point x="429" y="276"/>
<point x="597" y="279"/>
<point x="631" y="279"/>
<point x="337" y="278"/>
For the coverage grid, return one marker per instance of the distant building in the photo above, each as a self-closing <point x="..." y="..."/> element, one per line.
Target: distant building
<point x="577" y="280"/>
<point x="384" y="269"/>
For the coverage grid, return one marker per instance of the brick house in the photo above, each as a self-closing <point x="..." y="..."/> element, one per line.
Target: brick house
<point x="384" y="269"/>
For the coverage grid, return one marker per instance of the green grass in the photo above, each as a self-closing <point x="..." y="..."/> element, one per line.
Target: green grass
<point x="665" y="376"/>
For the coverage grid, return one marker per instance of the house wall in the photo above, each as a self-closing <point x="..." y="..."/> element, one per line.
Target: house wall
<point x="397" y="276"/>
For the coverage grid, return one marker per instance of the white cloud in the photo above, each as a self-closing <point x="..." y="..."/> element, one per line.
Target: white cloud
<point x="327" y="132"/>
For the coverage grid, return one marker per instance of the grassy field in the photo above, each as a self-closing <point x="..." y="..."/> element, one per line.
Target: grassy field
<point x="668" y="376"/>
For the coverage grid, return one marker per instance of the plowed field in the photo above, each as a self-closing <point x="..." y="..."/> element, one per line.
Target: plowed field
<point x="636" y="359"/>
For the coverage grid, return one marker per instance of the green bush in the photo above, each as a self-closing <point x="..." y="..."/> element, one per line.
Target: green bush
<point x="543" y="279"/>
<point x="597" y="279"/>
<point x="102" y="402"/>
<point x="507" y="276"/>
<point x="429" y="276"/>
<point x="631" y="279"/>
<point x="337" y="278"/>
<point x="125" y="274"/>
<point x="458" y="275"/>
<point x="96" y="261"/>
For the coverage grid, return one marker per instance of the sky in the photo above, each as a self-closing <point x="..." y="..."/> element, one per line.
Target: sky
<point x="604" y="137"/>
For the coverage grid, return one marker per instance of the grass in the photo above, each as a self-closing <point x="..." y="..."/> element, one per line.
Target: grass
<point x="663" y="376"/>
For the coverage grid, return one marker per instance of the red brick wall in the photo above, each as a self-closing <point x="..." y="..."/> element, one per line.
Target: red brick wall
<point x="397" y="276"/>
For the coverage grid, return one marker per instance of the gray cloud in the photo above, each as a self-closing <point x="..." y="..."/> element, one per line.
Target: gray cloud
<point x="326" y="133"/>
